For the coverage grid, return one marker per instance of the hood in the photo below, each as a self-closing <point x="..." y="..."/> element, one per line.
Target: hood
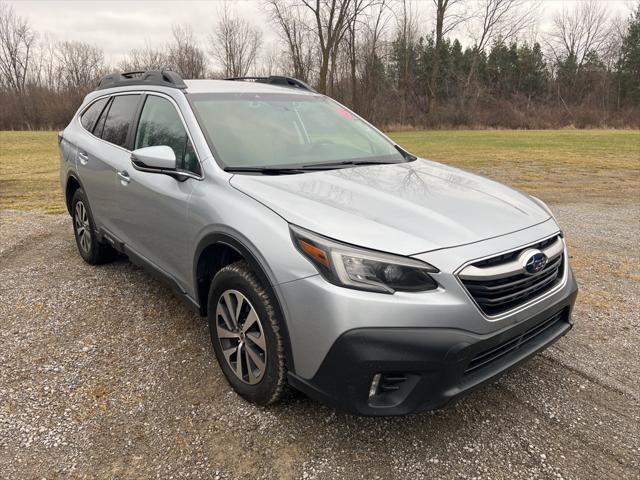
<point x="405" y="208"/>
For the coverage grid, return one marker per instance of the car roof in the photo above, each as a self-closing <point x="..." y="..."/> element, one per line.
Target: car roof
<point x="239" y="86"/>
<point x="202" y="86"/>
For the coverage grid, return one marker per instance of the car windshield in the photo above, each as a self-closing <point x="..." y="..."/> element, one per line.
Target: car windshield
<point x="269" y="131"/>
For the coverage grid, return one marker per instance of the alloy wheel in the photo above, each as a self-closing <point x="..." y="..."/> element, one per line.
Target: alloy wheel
<point x="241" y="336"/>
<point x="83" y="228"/>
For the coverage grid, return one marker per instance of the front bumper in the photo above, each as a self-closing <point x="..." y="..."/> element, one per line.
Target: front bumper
<point x="426" y="368"/>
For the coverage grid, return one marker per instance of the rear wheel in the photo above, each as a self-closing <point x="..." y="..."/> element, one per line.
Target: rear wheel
<point x="91" y="250"/>
<point x="246" y="336"/>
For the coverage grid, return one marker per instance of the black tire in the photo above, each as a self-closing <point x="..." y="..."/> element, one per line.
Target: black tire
<point x="239" y="278"/>
<point x="84" y="229"/>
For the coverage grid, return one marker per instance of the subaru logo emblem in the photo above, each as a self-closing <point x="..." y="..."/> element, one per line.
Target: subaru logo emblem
<point x="533" y="261"/>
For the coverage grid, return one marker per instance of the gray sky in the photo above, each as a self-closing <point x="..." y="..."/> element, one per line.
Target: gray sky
<point x="118" y="26"/>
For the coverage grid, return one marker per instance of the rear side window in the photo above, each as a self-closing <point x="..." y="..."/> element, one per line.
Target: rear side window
<point x="90" y="115"/>
<point x="97" y="130"/>
<point x="119" y="118"/>
<point x="160" y="124"/>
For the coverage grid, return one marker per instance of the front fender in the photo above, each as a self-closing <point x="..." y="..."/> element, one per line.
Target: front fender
<point x="259" y="265"/>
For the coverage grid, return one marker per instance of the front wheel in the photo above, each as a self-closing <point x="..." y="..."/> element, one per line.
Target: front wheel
<point x="246" y="336"/>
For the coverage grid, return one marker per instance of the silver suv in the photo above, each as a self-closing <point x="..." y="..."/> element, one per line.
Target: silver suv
<point x="324" y="255"/>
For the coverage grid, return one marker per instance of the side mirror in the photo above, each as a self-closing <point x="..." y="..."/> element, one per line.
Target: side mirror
<point x="159" y="159"/>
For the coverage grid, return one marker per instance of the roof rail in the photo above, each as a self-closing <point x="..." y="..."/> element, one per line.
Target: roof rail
<point x="278" y="80"/>
<point x="162" y="78"/>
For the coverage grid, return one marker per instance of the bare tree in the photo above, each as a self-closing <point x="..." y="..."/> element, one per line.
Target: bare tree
<point x="44" y="71"/>
<point x="184" y="55"/>
<point x="80" y="64"/>
<point x="498" y="18"/>
<point x="293" y="29"/>
<point x="352" y="40"/>
<point x="376" y="24"/>
<point x="331" y="19"/>
<point x="578" y="32"/>
<point x="49" y="71"/>
<point x="235" y="43"/>
<point x="145" y="58"/>
<point x="269" y="61"/>
<point x="406" y="39"/>
<point x="17" y="41"/>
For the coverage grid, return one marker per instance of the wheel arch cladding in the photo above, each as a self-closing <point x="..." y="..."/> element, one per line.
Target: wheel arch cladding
<point x="210" y="260"/>
<point x="73" y="184"/>
<point x="218" y="250"/>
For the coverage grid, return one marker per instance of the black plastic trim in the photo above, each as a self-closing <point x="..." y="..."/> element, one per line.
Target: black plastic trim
<point x="149" y="267"/>
<point x="439" y="357"/>
<point x="76" y="177"/>
<point x="278" y="80"/>
<point x="161" y="78"/>
<point x="220" y="238"/>
<point x="132" y="127"/>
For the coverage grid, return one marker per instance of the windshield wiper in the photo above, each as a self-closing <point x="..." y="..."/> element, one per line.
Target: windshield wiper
<point x="344" y="163"/>
<point x="303" y="168"/>
<point x="266" y="170"/>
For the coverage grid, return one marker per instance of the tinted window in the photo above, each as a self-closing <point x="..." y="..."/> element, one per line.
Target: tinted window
<point x="90" y="115"/>
<point x="160" y="124"/>
<point x="119" y="119"/>
<point x="97" y="130"/>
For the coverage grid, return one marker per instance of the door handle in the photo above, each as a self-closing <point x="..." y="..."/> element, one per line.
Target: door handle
<point x="83" y="157"/>
<point x="124" y="176"/>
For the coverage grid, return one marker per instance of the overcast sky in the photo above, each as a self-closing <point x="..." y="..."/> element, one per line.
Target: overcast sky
<point x="119" y="26"/>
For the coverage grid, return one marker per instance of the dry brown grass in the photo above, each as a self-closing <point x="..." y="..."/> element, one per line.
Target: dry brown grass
<point x="558" y="165"/>
<point x="29" y="176"/>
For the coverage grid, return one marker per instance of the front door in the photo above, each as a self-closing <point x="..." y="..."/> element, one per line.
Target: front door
<point x="154" y="207"/>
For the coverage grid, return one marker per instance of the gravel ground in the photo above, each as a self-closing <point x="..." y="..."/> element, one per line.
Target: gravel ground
<point x="106" y="374"/>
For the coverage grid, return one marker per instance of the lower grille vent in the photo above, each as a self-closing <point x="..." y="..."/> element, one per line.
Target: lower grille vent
<point x="487" y="357"/>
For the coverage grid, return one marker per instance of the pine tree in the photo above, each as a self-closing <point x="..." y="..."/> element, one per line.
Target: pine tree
<point x="629" y="67"/>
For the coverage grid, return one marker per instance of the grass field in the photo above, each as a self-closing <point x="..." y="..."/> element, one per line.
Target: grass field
<point x="29" y="171"/>
<point x="558" y="165"/>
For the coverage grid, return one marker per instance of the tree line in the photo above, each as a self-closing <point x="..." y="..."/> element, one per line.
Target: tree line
<point x="382" y="58"/>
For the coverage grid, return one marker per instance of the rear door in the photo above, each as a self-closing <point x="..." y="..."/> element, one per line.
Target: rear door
<point x="153" y="213"/>
<point x="106" y="153"/>
<point x="93" y="172"/>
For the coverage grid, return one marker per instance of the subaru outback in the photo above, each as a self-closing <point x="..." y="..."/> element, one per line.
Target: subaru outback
<point x="325" y="256"/>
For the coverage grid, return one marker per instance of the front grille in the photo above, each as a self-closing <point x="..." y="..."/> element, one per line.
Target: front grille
<point x="496" y="296"/>
<point x="505" y="257"/>
<point x="487" y="357"/>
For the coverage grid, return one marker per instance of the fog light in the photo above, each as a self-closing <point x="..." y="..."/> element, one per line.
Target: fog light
<point x="373" y="390"/>
<point x="391" y="389"/>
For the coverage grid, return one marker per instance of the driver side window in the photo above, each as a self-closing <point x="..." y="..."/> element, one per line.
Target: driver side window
<point x="160" y="124"/>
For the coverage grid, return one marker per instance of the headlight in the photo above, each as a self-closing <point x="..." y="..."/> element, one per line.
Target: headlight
<point x="362" y="269"/>
<point x="544" y="207"/>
